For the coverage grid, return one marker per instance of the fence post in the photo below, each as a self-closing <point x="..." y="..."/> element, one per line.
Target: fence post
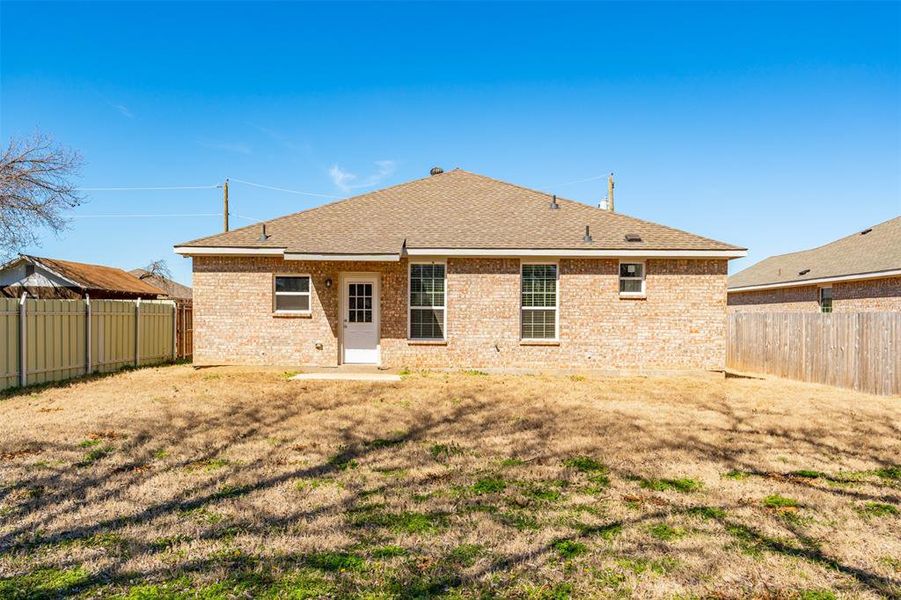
<point x="137" y="331"/>
<point x="174" y="331"/>
<point x="23" y="341"/>
<point x="87" y="303"/>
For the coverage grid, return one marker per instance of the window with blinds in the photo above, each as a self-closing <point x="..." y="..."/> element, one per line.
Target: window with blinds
<point x="539" y="302"/>
<point x="427" y="301"/>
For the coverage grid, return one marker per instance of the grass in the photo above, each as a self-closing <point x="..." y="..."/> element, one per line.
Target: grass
<point x="684" y="485"/>
<point x="877" y="509"/>
<point x="569" y="549"/>
<point x="777" y="501"/>
<point x="442" y="452"/>
<point x="489" y="485"/>
<point x="95" y="454"/>
<point x="44" y="583"/>
<point x="665" y="532"/>
<point x="707" y="512"/>
<point x="231" y="483"/>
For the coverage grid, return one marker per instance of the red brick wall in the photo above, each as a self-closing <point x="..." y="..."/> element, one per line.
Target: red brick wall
<point x="679" y="325"/>
<point x="850" y="296"/>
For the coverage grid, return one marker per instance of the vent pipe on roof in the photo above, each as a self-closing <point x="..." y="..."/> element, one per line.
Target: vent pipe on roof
<point x="587" y="237"/>
<point x="263" y="236"/>
<point x="554" y="204"/>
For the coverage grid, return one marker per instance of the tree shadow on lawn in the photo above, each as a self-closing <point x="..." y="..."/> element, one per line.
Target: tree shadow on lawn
<point x="471" y="418"/>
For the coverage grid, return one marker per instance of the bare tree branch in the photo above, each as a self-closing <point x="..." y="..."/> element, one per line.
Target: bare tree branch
<point x="157" y="268"/>
<point x="36" y="190"/>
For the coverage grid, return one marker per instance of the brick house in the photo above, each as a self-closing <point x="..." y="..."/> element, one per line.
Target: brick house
<point x="860" y="272"/>
<point x="460" y="270"/>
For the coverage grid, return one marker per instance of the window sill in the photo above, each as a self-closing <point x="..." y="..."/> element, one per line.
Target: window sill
<point x="292" y="315"/>
<point x="539" y="342"/>
<point x="633" y="296"/>
<point x="426" y="342"/>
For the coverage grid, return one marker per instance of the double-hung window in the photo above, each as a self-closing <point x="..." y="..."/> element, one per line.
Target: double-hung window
<point x="539" y="302"/>
<point x="292" y="294"/>
<point x="631" y="279"/>
<point x="428" y="297"/>
<point x="825" y="294"/>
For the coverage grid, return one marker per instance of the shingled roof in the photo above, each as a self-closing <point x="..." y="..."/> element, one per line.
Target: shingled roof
<point x="453" y="210"/>
<point x="95" y="277"/>
<point x="170" y="287"/>
<point x="873" y="251"/>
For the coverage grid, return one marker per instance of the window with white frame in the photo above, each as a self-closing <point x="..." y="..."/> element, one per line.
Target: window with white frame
<point x="539" y="302"/>
<point x="631" y="279"/>
<point x="292" y="294"/>
<point x="427" y="301"/>
<point x="825" y="294"/>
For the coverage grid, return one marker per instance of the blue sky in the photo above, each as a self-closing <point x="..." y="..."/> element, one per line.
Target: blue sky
<point x="775" y="126"/>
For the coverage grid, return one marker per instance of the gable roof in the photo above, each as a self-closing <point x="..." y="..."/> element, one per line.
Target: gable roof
<point x="170" y="287"/>
<point x="92" y="277"/>
<point x="872" y="252"/>
<point x="451" y="211"/>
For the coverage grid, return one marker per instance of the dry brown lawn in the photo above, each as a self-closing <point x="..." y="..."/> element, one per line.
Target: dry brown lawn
<point x="230" y="483"/>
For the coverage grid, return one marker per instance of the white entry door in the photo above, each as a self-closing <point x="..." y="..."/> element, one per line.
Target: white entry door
<point x="361" y="320"/>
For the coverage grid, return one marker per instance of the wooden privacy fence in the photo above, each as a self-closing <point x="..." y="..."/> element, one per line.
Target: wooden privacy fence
<point x="60" y="339"/>
<point x="184" y="328"/>
<point x="852" y="350"/>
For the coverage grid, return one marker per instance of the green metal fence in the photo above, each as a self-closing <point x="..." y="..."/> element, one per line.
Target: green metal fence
<point x="61" y="339"/>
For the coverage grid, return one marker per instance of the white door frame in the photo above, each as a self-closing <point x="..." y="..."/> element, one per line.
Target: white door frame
<point x="370" y="277"/>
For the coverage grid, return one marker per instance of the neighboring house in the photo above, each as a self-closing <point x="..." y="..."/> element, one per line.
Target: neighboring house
<point x="861" y="272"/>
<point x="172" y="289"/>
<point x="53" y="278"/>
<point x="460" y="270"/>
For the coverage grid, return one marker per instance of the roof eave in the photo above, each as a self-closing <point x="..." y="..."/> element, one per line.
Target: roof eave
<point x="727" y="253"/>
<point x="815" y="281"/>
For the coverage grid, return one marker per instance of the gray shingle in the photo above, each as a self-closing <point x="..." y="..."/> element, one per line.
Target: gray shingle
<point x="878" y="250"/>
<point x="456" y="209"/>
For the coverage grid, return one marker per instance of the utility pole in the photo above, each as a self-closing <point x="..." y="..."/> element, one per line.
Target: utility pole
<point x="609" y="194"/>
<point x="225" y="201"/>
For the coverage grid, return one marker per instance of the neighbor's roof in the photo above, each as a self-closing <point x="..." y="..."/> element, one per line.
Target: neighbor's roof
<point x="95" y="277"/>
<point x="173" y="289"/>
<point x="454" y="210"/>
<point x="865" y="253"/>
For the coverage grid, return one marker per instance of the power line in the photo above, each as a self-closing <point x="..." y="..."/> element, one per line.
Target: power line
<point x="142" y="189"/>
<point x="280" y="189"/>
<point x="252" y="219"/>
<point x="587" y="179"/>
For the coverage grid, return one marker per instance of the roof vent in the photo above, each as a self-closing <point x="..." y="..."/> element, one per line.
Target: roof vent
<point x="263" y="236"/>
<point x="633" y="237"/>
<point x="587" y="237"/>
<point x="804" y="272"/>
<point x="866" y="231"/>
<point x="554" y="204"/>
<point x="436" y="171"/>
